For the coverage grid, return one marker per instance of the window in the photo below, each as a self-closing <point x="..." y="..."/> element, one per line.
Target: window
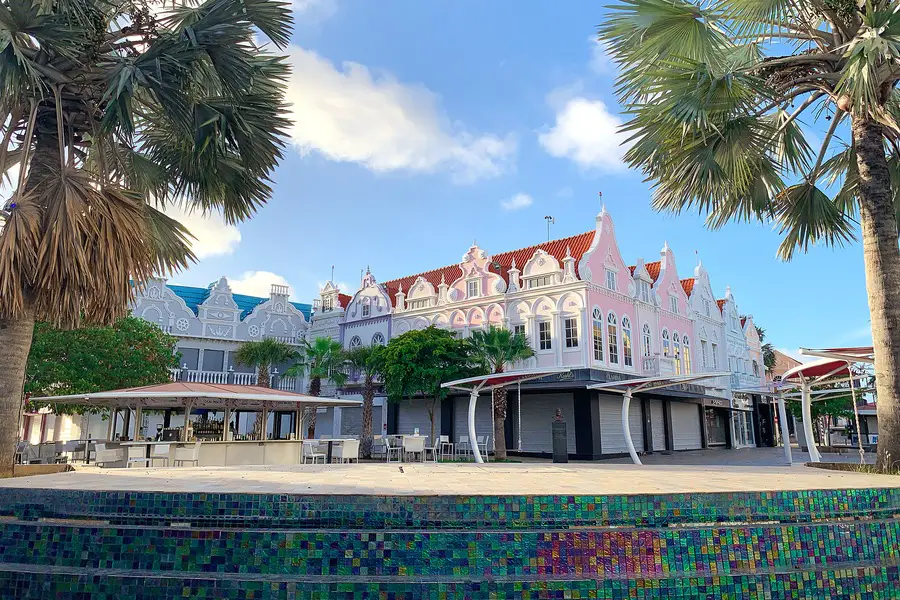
<point x="755" y="368"/>
<point x="644" y="289"/>
<point x="473" y="289"/>
<point x="667" y="348"/>
<point x="534" y="282"/>
<point x="715" y="356"/>
<point x="598" y="334"/>
<point x="704" y="353"/>
<point x="673" y="303"/>
<point x="519" y="329"/>
<point x="612" y="338"/>
<point x="413" y="304"/>
<point x="706" y="306"/>
<point x="610" y="280"/>
<point x="647" y="341"/>
<point x="355" y="342"/>
<point x="571" y="326"/>
<point x="366" y="308"/>
<point x="686" y="354"/>
<point x="327" y="304"/>
<point x="544" y="341"/>
<point x="378" y="340"/>
<point x="627" y="354"/>
<point x="676" y="341"/>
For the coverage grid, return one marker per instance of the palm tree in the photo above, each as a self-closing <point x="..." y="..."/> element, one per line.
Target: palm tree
<point x="768" y="350"/>
<point x="112" y="111"/>
<point x="321" y="359"/>
<point x="720" y="96"/>
<point x="496" y="348"/>
<point x="366" y="359"/>
<point x="263" y="355"/>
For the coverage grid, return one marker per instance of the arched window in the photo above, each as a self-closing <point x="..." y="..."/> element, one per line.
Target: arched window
<point x="686" y="354"/>
<point x="612" y="338"/>
<point x="647" y="342"/>
<point x="676" y="341"/>
<point x="378" y="340"/>
<point x="598" y="334"/>
<point x="755" y="368"/>
<point x="667" y="348"/>
<point x="627" y="354"/>
<point x="355" y="342"/>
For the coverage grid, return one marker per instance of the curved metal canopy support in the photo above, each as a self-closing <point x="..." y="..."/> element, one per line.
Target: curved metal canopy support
<point x="626" y="403"/>
<point x="806" y="410"/>
<point x="473" y="440"/>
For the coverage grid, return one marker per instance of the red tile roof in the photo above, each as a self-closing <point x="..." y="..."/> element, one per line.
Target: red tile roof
<point x="743" y="320"/>
<point x="653" y="269"/>
<point x="502" y="263"/>
<point x="688" y="285"/>
<point x="720" y="304"/>
<point x="632" y="268"/>
<point x="344" y="300"/>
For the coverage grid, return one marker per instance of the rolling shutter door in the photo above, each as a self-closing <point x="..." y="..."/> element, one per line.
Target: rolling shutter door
<point x="686" y="426"/>
<point x="414" y="413"/>
<point x="538" y="411"/>
<point x="483" y="423"/>
<point x="612" y="439"/>
<point x="658" y="425"/>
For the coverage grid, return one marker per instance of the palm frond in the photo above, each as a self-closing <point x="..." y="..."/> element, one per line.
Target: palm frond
<point x="806" y="216"/>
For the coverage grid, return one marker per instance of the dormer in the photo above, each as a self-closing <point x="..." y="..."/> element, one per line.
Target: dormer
<point x="279" y="298"/>
<point x="541" y="270"/>
<point x="371" y="300"/>
<point x="329" y="298"/>
<point x="421" y="295"/>
<point x="643" y="282"/>
<point x="477" y="281"/>
<point x="668" y="286"/>
<point x="702" y="298"/>
<point x="602" y="263"/>
<point x="220" y="305"/>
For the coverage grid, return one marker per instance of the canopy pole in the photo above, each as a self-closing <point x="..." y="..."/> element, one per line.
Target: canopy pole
<point x="112" y="420"/>
<point x="187" y="419"/>
<point x="298" y="424"/>
<point x="862" y="452"/>
<point x="626" y="402"/>
<point x="519" y="415"/>
<point x="226" y="425"/>
<point x="805" y="401"/>
<point x="138" y="416"/>
<point x="473" y="440"/>
<point x="785" y="432"/>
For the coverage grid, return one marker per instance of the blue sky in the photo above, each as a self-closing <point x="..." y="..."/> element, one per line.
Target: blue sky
<point x="422" y="125"/>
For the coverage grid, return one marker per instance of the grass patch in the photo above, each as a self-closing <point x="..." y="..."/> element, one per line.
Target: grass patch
<point x="855" y="468"/>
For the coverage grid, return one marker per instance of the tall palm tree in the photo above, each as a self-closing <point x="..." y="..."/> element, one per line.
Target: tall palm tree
<point x="724" y="98"/>
<point x="496" y="348"/>
<point x="112" y="111"/>
<point x="263" y="355"/>
<point x="323" y="358"/>
<point x="366" y="360"/>
<point x="768" y="350"/>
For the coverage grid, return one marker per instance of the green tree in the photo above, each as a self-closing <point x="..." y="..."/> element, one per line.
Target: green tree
<point x="418" y="362"/>
<point x="263" y="355"/>
<point x="768" y="350"/>
<point x="367" y="361"/>
<point x="130" y="353"/>
<point x="496" y="348"/>
<point x="723" y="97"/>
<point x="112" y="111"/>
<point x="321" y="359"/>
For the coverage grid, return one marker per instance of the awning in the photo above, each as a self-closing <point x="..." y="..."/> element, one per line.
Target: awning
<point x="819" y="369"/>
<point x="864" y="354"/>
<point x="495" y="380"/>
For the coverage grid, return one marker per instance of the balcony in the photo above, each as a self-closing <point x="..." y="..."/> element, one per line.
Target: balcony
<point x="285" y="384"/>
<point x="653" y="366"/>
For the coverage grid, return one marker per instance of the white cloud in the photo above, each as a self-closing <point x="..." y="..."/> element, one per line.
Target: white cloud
<point x="517" y="202"/>
<point x="8" y="183"/>
<point x="258" y="283"/>
<point x="348" y="114"/>
<point x="586" y="133"/>
<point x="600" y="61"/>
<point x="213" y="236"/>
<point x="316" y="10"/>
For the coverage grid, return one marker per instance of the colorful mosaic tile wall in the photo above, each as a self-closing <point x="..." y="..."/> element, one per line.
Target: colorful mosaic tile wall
<point x="819" y="544"/>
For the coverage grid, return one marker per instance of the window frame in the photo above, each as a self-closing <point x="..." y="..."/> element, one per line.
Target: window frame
<point x="612" y="338"/>
<point x="469" y="287"/>
<point x="545" y="343"/>
<point x="597" y="333"/>
<point x="355" y="342"/>
<point x="647" y="340"/>
<point x="611" y="283"/>
<point x="378" y="339"/>
<point x="570" y="332"/>
<point x="686" y="354"/>
<point x="627" y="349"/>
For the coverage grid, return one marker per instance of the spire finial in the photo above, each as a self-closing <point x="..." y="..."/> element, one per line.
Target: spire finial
<point x="514" y="262"/>
<point x="568" y="251"/>
<point x="602" y="205"/>
<point x="443" y="281"/>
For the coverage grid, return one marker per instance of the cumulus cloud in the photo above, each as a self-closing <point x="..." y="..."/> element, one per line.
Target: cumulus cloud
<point x="517" y="202"/>
<point x="587" y="133"/>
<point x="600" y="62"/>
<point x="317" y="10"/>
<point x="258" y="283"/>
<point x="346" y="113"/>
<point x="214" y="237"/>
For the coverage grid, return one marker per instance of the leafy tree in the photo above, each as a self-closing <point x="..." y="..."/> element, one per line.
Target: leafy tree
<point x="130" y="353"/>
<point x="321" y="359"/>
<point x="418" y="362"/>
<point x="768" y="350"/>
<point x="112" y="111"/>
<point x="366" y="360"/>
<point x="496" y="348"/>
<point x="262" y="355"/>
<point x="723" y="97"/>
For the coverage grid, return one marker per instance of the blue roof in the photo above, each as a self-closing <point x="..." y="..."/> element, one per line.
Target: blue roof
<point x="195" y="296"/>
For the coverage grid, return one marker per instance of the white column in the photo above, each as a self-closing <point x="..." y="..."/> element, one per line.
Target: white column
<point x="473" y="440"/>
<point x="519" y="416"/>
<point x="814" y="455"/>
<point x="558" y="335"/>
<point x="785" y="433"/>
<point x="626" y="403"/>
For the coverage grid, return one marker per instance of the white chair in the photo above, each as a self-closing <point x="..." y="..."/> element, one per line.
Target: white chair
<point x="190" y="454"/>
<point x="482" y="441"/>
<point x="377" y="445"/>
<point x="462" y="446"/>
<point x="446" y="447"/>
<point x="137" y="454"/>
<point x="109" y="456"/>
<point x="392" y="446"/>
<point x="434" y="450"/>
<point x="348" y="450"/>
<point x="414" y="444"/>
<point x="160" y="452"/>
<point x="311" y="452"/>
<point x="20" y="452"/>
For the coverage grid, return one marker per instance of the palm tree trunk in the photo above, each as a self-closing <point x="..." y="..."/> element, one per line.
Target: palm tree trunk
<point x="262" y="376"/>
<point x="368" y="399"/>
<point x="882" y="263"/>
<point x="15" y="343"/>
<point x="315" y="388"/>
<point x="499" y="423"/>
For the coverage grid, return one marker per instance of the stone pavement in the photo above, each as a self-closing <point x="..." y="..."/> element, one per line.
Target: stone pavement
<point x="459" y="479"/>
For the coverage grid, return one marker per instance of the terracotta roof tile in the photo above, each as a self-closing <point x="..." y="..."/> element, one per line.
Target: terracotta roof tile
<point x="688" y="285"/>
<point x="743" y="321"/>
<point x="344" y="300"/>
<point x="632" y="268"/>
<point x="502" y="263"/>
<point x="720" y="304"/>
<point x="653" y="269"/>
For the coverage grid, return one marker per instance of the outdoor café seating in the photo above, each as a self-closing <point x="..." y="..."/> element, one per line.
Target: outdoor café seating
<point x="311" y="452"/>
<point x="106" y="457"/>
<point x="414" y="446"/>
<point x="346" y="451"/>
<point x="189" y="454"/>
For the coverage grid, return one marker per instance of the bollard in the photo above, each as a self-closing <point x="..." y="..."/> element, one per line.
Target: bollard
<point x="560" y="443"/>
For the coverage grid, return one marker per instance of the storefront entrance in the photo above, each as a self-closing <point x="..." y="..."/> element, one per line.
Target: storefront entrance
<point x="743" y="429"/>
<point x="716" y="427"/>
